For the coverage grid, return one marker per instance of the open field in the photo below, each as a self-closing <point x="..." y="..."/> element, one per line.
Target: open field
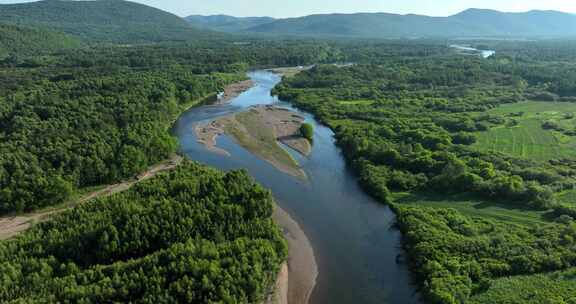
<point x="528" y="139"/>
<point x="471" y="206"/>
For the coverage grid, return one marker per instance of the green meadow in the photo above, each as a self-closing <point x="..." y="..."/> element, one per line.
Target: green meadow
<point x="528" y="138"/>
<point x="469" y="205"/>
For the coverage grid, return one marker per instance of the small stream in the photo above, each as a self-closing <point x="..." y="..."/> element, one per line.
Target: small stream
<point x="354" y="242"/>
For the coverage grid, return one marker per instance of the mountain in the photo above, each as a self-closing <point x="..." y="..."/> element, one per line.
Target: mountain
<point x="532" y="23"/>
<point x="226" y="23"/>
<point x="20" y="40"/>
<point x="470" y="23"/>
<point x="101" y="20"/>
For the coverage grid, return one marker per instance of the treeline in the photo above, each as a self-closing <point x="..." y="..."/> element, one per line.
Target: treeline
<point x="406" y="124"/>
<point x="194" y="235"/>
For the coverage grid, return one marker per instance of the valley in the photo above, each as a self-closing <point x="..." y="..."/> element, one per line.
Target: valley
<point x="303" y="158"/>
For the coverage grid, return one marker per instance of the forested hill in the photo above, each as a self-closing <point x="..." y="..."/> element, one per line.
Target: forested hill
<point x="226" y="23"/>
<point x="20" y="40"/>
<point x="470" y="23"/>
<point x="101" y="21"/>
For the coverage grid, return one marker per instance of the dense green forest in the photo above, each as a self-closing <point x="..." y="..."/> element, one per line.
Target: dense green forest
<point x="28" y="41"/>
<point x="194" y="235"/>
<point x="474" y="155"/>
<point x="80" y="118"/>
<point x="475" y="220"/>
<point x="103" y="21"/>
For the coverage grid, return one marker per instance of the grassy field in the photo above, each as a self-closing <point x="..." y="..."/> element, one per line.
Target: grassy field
<point x="471" y="206"/>
<point x="528" y="139"/>
<point x="558" y="287"/>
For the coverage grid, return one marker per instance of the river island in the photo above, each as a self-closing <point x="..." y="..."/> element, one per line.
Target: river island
<point x="262" y="130"/>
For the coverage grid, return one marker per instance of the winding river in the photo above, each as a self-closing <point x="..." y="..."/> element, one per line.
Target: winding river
<point x="354" y="242"/>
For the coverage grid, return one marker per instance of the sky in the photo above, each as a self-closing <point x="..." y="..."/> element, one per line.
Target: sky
<point x="295" y="8"/>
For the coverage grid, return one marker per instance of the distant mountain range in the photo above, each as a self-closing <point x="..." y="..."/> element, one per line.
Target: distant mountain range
<point x="114" y="21"/>
<point x="124" y="22"/>
<point x="469" y="23"/>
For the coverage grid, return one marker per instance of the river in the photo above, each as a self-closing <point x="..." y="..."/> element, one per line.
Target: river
<point x="354" y="241"/>
<point x="470" y="50"/>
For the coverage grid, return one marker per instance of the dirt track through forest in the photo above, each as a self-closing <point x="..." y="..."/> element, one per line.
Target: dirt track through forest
<point x="10" y="226"/>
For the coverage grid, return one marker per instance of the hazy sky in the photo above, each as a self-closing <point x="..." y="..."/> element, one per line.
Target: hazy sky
<point x="291" y="8"/>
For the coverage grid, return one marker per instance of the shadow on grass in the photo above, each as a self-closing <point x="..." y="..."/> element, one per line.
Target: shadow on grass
<point x="473" y="203"/>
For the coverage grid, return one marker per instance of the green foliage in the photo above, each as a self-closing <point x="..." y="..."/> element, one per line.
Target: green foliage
<point x="470" y="23"/>
<point x="457" y="256"/>
<point x="88" y="131"/>
<point x="102" y="21"/>
<point x="194" y="235"/>
<point x="557" y="287"/>
<point x="307" y="130"/>
<point x="539" y="132"/>
<point x="28" y="41"/>
<point x="88" y="117"/>
<point x="417" y="135"/>
<point x="225" y="23"/>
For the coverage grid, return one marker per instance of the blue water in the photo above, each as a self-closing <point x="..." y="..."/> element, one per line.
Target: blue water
<point x="355" y="245"/>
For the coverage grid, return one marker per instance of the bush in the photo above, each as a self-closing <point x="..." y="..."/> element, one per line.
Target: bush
<point x="307" y="130"/>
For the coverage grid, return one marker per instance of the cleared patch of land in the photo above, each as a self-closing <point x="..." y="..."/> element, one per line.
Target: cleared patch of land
<point x="528" y="138"/>
<point x="471" y="206"/>
<point x="259" y="130"/>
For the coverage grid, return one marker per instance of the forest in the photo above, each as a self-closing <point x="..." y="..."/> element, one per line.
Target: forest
<point x="80" y="118"/>
<point x="408" y="117"/>
<point x="472" y="154"/>
<point x="194" y="235"/>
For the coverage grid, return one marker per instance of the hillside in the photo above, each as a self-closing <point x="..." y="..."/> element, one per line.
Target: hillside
<point x="470" y="23"/>
<point x="14" y="39"/>
<point x="101" y="20"/>
<point x="226" y="23"/>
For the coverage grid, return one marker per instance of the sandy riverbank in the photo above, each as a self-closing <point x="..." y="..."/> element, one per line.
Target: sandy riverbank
<point x="297" y="279"/>
<point x="290" y="71"/>
<point x="259" y="130"/>
<point x="234" y="90"/>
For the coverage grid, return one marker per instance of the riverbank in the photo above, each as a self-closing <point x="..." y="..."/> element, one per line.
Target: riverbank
<point x="350" y="231"/>
<point x="234" y="90"/>
<point x="295" y="283"/>
<point x="289" y="71"/>
<point x="259" y="130"/>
